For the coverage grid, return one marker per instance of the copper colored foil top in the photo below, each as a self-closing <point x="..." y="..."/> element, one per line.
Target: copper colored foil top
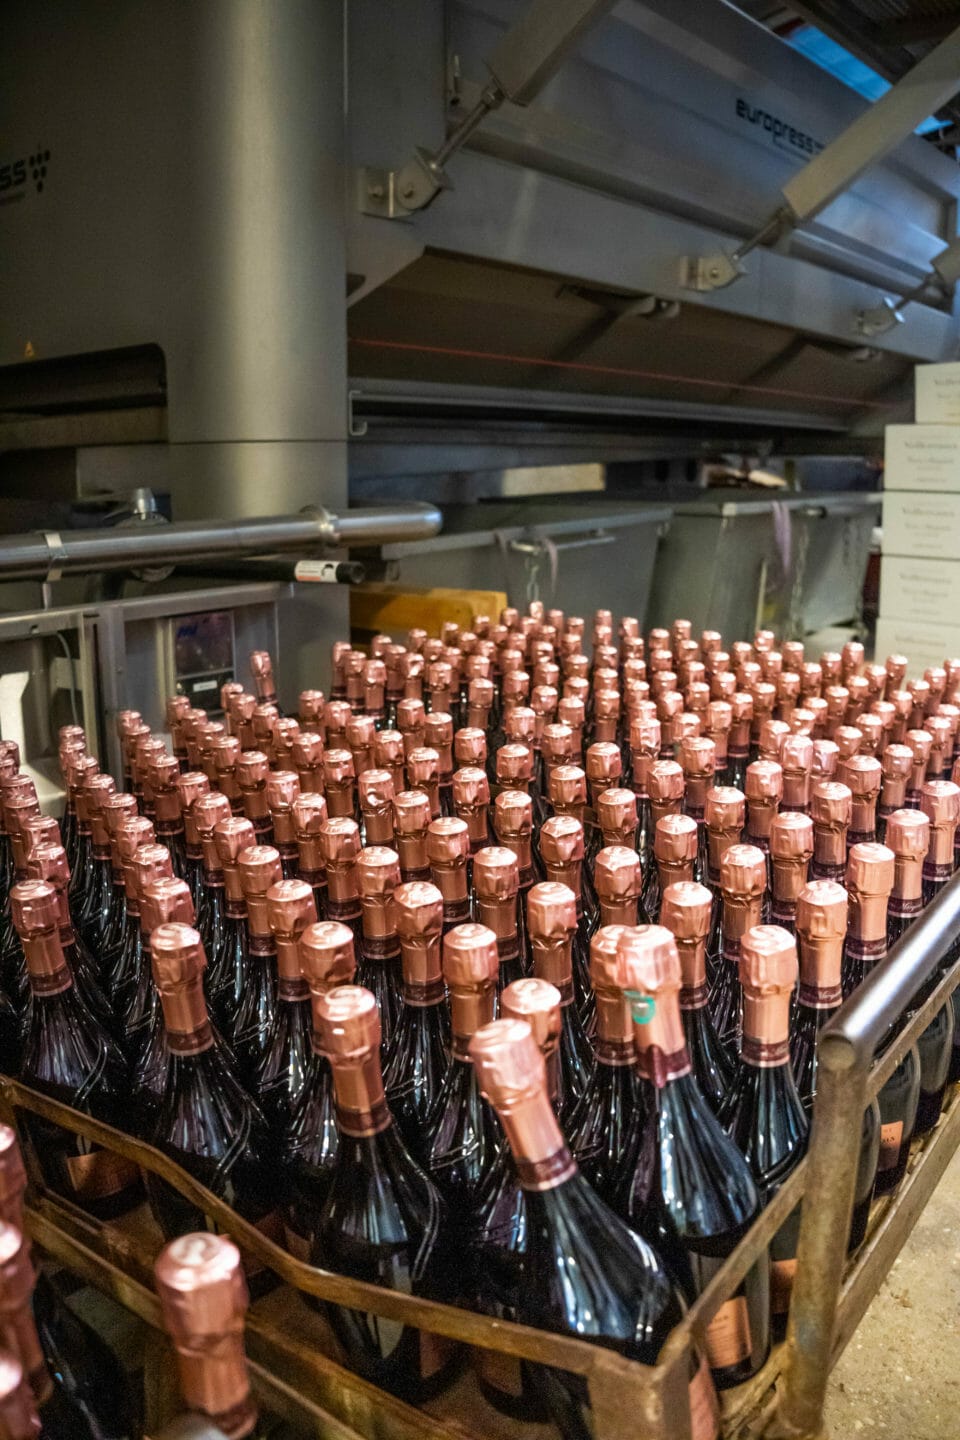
<point x="17" y="1281"/>
<point x="791" y="848"/>
<point x="290" y="909"/>
<point x="921" y="743"/>
<point x="261" y="668"/>
<point x="614" y="1016"/>
<point x="940" y="802"/>
<point x="471" y="964"/>
<point x="45" y="830"/>
<point x="821" y="929"/>
<point x="772" y="735"/>
<point x="604" y="764"/>
<point x="35" y="912"/>
<point x="552" y="921"/>
<point x="796" y="762"/>
<point x="448" y="848"/>
<point x="376" y="791"/>
<point x="562" y="850"/>
<point x="617" y="816"/>
<point x="764" y="787"/>
<point x="941" y="749"/>
<point x="536" y="1003"/>
<point x="164" y="900"/>
<point x="871" y="731"/>
<point x="511" y="1073"/>
<point x="743" y="879"/>
<point x="151" y="862"/>
<point x="177" y="963"/>
<point x="419" y="921"/>
<point x="259" y="867"/>
<point x="310" y="709"/>
<point x="496" y="877"/>
<point x="412" y="814"/>
<point x="666" y="787"/>
<point x="698" y="760"/>
<point x="514" y="766"/>
<point x="204" y="1299"/>
<point x="863" y="776"/>
<point x="617" y="879"/>
<point x="686" y="912"/>
<point x="908" y="836"/>
<point x="831" y="806"/>
<point x="675" y="843"/>
<point x="847" y="739"/>
<point x="826" y="758"/>
<point x="348" y="1028"/>
<point x="327" y="957"/>
<point x="471" y="797"/>
<point x="568" y="789"/>
<point x="768" y="974"/>
<point x="648" y="967"/>
<point x="869" y="881"/>
<point x="513" y="825"/>
<point x="470" y="746"/>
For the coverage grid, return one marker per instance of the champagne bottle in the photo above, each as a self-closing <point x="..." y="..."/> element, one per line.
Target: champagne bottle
<point x="310" y="815"/>
<point x="308" y="759"/>
<point x="379" y="968"/>
<point x="586" y="1273"/>
<point x="281" y="1072"/>
<point x="796" y="761"/>
<point x="205" y="1122"/>
<point x="562" y="848"/>
<point x="896" y="763"/>
<point x="791" y="850"/>
<point x="821" y="926"/>
<point x="282" y="792"/>
<point x="698" y="759"/>
<point x="383" y="1220"/>
<point x="697" y="1197"/>
<point x="448" y="850"/>
<point x="83" y="768"/>
<point x="940" y="802"/>
<point x="685" y="912"/>
<point x="75" y="1355"/>
<point x="863" y="776"/>
<point x="310" y="1143"/>
<point x="93" y="914"/>
<point x="743" y="873"/>
<point x="920" y="743"/>
<point x="461" y="1136"/>
<point x="168" y="816"/>
<point x="496" y="877"/>
<point x="675" y="848"/>
<point x="252" y="769"/>
<point x="908" y="836"/>
<point x="766" y="1119"/>
<point x="68" y="1055"/>
<point x="725" y="812"/>
<point x="738" y="751"/>
<point x="644" y="749"/>
<point x="117" y="809"/>
<point x="254" y="1018"/>
<point x="417" y="1055"/>
<point x="665" y="782"/>
<point x="226" y="976"/>
<point x="49" y="863"/>
<point x="513" y="826"/>
<point x="552" y="921"/>
<point x="203" y="1300"/>
<point x="831" y="805"/>
<point x="376" y="791"/>
<point x="412" y="817"/>
<point x="61" y="1405"/>
<point x="604" y="1130"/>
<point x="870" y="870"/>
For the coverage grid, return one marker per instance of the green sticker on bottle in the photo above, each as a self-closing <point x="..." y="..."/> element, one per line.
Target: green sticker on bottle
<point x="642" y="1007"/>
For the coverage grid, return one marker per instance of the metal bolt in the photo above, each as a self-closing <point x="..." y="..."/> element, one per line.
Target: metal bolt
<point x="375" y="192"/>
<point x="408" y="192"/>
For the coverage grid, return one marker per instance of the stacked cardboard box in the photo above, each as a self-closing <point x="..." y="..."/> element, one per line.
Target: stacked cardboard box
<point x="920" y="568"/>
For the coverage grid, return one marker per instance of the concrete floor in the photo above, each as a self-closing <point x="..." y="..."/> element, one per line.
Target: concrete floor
<point x="900" y="1374"/>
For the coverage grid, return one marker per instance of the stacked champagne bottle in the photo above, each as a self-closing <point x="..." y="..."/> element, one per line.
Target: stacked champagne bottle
<point x="279" y="950"/>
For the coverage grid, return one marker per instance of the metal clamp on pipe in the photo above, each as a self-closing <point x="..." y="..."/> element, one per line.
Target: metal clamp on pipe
<point x="43" y="555"/>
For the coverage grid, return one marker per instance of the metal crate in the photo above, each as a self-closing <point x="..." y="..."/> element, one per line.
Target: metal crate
<point x="296" y="1375"/>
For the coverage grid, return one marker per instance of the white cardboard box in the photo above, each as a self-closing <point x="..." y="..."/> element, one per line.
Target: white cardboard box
<point x="937" y="394"/>
<point x="921" y="524"/>
<point x="922" y="457"/>
<point x="923" y="645"/>
<point x="921" y="591"/>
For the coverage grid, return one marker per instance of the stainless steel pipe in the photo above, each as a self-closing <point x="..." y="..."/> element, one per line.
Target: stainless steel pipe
<point x="46" y="555"/>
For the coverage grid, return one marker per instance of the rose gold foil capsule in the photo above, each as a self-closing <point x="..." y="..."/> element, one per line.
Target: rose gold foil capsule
<point x="361" y="732"/>
<point x="376" y="804"/>
<point x="743" y="872"/>
<point x="847" y="739"/>
<point x="348" y="1024"/>
<point x="862" y="775"/>
<point x="617" y="879"/>
<point x="423" y="768"/>
<point x="290" y="909"/>
<point x="165" y="901"/>
<point x="335" y="716"/>
<point x="617" y="816"/>
<point x="557" y="744"/>
<point x="870" y="873"/>
<point x="871" y="732"/>
<point x="419" y="918"/>
<point x="686" y="910"/>
<point x="310" y="710"/>
<point x="908" y="836"/>
<point x="921" y="743"/>
<point x="675" y="842"/>
<point x="768" y="974"/>
<point x="604" y="766"/>
<point x="536" y="1004"/>
<point x="897" y="765"/>
<point x="763" y="784"/>
<point x="470" y="747"/>
<point x="568" y="789"/>
<point x="327" y="957"/>
<point x="941" y="748"/>
<point x="666" y="787"/>
<point x="940" y="802"/>
<point x="448" y="841"/>
<point x="791" y="837"/>
<point x="470" y="960"/>
<point x="826" y="758"/>
<point x="520" y="725"/>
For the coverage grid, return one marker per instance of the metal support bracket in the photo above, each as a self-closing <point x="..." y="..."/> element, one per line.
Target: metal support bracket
<point x="527" y="56"/>
<point x="709" y="272"/>
<point x="880" y="318"/>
